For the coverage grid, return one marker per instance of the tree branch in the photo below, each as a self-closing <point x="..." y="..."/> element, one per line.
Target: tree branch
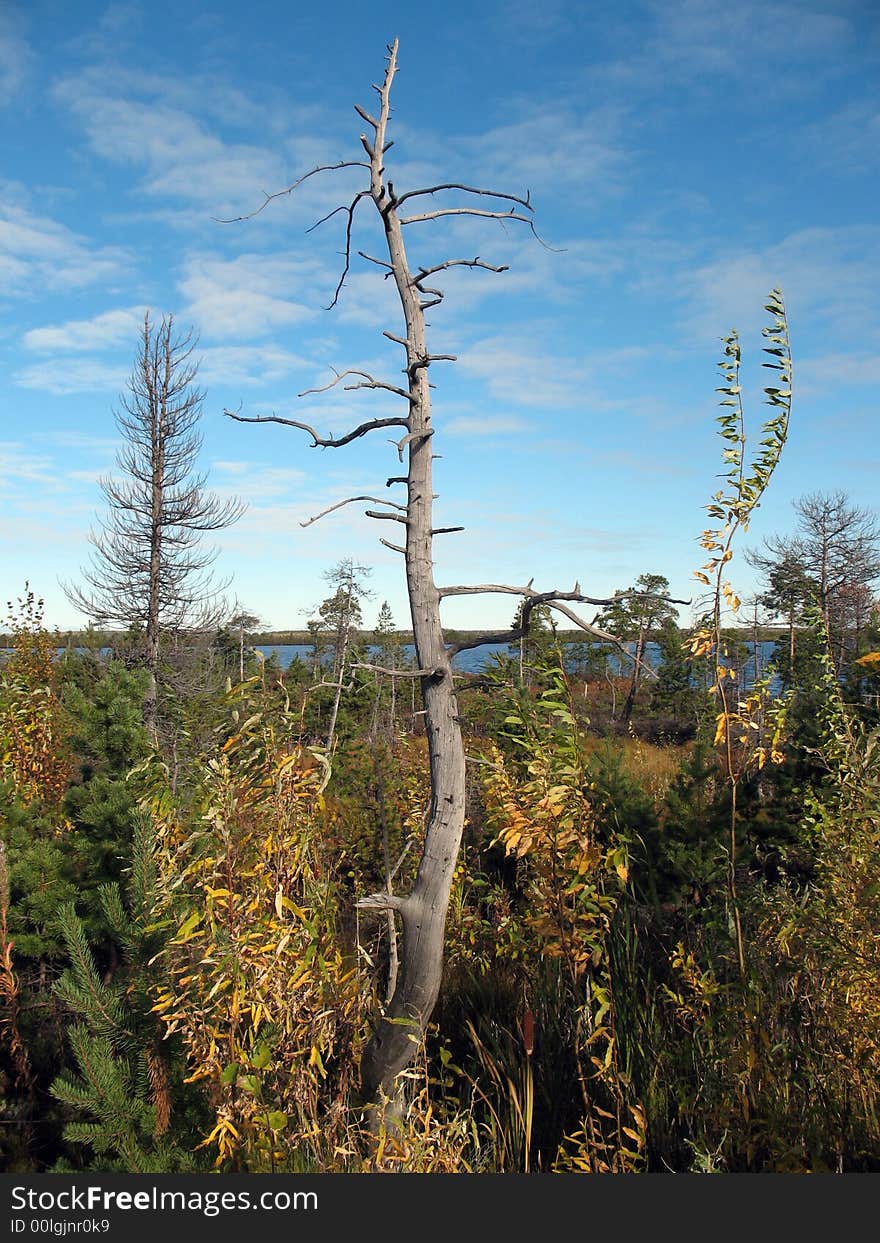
<point x="350" y="209"/>
<point x="323" y="442"/>
<point x="381" y="902"/>
<point x="488" y="215"/>
<point x="459" y="263"/>
<point x="401" y="444"/>
<point x="528" y="592"/>
<point x="431" y="672"/>
<point x="372" y="513"/>
<point x="531" y="600"/>
<point x="369" y="382"/>
<point x="321" y="168"/>
<point x="456" y="185"/>
<point x="349" y="500"/>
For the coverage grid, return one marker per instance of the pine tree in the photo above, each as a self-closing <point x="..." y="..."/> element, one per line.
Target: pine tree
<point x="675" y="694"/>
<point x="125" y="1081"/>
<point x="389" y="655"/>
<point x="637" y="616"/>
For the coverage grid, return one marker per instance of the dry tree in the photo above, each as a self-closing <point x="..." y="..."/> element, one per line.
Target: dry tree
<point x="422" y="912"/>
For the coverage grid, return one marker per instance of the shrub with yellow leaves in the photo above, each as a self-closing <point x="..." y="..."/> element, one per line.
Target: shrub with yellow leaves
<point x="259" y="988"/>
<point x="537" y="800"/>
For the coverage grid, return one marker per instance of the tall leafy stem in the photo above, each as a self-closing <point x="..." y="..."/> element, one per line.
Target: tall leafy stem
<point x="740" y="723"/>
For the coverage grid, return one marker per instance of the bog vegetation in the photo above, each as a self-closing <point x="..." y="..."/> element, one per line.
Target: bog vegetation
<point x="661" y="947"/>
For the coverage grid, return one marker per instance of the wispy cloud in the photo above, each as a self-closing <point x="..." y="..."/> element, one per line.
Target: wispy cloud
<point x="698" y="42"/>
<point x="104" y="331"/>
<point x="179" y="132"/>
<point x="38" y="253"/>
<point x="65" y="376"/>
<point x="180" y="157"/>
<point x="553" y="147"/>
<point x="70" y="439"/>
<point x="829" y="275"/>
<point x="522" y="371"/>
<point x="249" y="296"/>
<point x="110" y="31"/>
<point x="20" y="465"/>
<point x="15" y="58"/>
<point x="247" y="366"/>
<point x="835" y="371"/>
<point x="255" y="480"/>
<point x="847" y="141"/>
<point x="493" y="425"/>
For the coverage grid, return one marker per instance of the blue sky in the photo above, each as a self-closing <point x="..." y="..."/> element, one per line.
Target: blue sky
<point x="683" y="159"/>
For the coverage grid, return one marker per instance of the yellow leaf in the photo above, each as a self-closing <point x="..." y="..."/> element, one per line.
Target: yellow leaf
<point x="702" y="577"/>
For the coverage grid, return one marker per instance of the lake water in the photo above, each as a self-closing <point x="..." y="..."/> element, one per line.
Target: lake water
<point x="479" y="659"/>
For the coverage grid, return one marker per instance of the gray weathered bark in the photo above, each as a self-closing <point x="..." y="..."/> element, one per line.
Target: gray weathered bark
<point x="422" y="912"/>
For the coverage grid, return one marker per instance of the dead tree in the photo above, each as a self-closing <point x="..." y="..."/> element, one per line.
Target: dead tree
<point x="422" y="912"/>
<point x="148" y="566"/>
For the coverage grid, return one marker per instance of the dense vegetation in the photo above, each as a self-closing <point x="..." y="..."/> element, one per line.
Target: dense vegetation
<point x="185" y="984"/>
<point x="661" y="943"/>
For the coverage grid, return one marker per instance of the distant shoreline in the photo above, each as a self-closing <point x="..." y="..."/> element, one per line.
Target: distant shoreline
<point x="283" y="638"/>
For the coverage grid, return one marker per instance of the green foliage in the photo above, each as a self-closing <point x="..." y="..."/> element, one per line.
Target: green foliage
<point x="676" y="695"/>
<point x="563" y="896"/>
<point x="257" y="987"/>
<point x="639" y="614"/>
<point x="108" y="738"/>
<point x="125" y="1079"/>
<point x="33" y="745"/>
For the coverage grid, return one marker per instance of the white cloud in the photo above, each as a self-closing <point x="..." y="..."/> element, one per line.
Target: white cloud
<point x="15" y="58"/>
<point x="19" y="465"/>
<point x="255" y="480"/>
<point x="520" y="371"/>
<point x="497" y="425"/>
<point x="554" y="146"/>
<point x="247" y="365"/>
<point x="104" y="331"/>
<point x="846" y="141"/>
<point x="830" y="372"/>
<point x="181" y="158"/>
<point x="249" y="296"/>
<point x="71" y="439"/>
<point x="176" y="130"/>
<point x="38" y="253"/>
<point x="829" y="276"/>
<point x="65" y="376"/>
<point x="694" y="43"/>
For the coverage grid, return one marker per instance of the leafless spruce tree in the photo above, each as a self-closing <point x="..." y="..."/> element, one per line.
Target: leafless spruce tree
<point x="834" y="556"/>
<point x="422" y="911"/>
<point x="148" y="568"/>
<point x="342" y="615"/>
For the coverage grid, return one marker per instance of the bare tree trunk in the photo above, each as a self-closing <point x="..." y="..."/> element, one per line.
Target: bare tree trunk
<point x="423" y="911"/>
<point x="634" y="682"/>
<point x="398" y="1033"/>
<point x="343" y="648"/>
<point x="156" y="399"/>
